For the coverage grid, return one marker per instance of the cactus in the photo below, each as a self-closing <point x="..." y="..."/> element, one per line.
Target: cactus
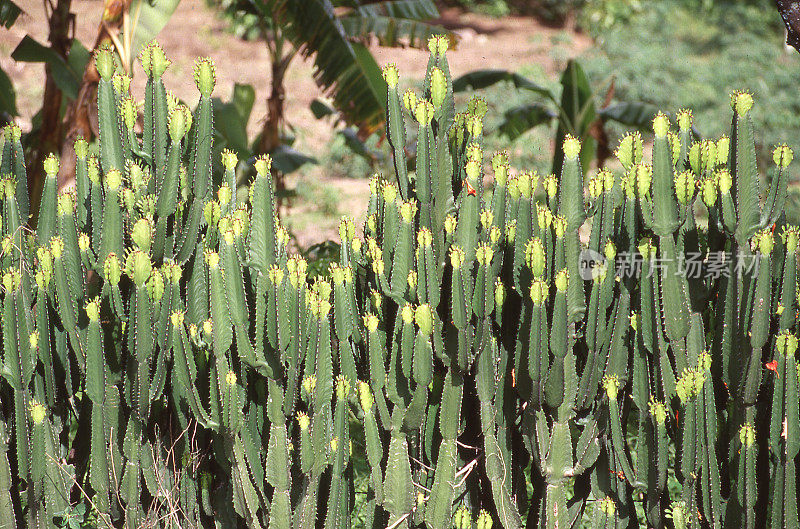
<point x="460" y="350"/>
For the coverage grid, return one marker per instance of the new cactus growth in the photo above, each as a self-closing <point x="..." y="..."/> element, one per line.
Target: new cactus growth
<point x="472" y="361"/>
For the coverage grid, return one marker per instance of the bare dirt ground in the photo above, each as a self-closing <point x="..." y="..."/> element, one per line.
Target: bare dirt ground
<point x="195" y="30"/>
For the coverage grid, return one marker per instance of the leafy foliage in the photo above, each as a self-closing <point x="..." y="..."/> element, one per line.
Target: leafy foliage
<point x="727" y="44"/>
<point x="575" y="112"/>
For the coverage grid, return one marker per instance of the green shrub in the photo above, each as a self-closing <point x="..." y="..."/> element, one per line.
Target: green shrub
<point x="471" y="361"/>
<point x="671" y="57"/>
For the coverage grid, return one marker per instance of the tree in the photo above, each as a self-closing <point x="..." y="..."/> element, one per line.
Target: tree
<point x="335" y="34"/>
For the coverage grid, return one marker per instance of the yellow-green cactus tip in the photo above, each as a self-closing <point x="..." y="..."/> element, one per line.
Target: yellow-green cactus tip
<point x="303" y="420"/>
<point x="661" y="125"/>
<point x="782" y="155"/>
<point x="685" y="120"/>
<point x="462" y="518"/>
<point x="442" y="44"/>
<point x="500" y="167"/>
<point x="158" y="60"/>
<point x="538" y="292"/>
<point x="408" y="210"/>
<point x="275" y="275"/>
<point x="747" y="435"/>
<point x="644" y="178"/>
<point x="38" y="412"/>
<point x="724" y="181"/>
<point x="57" y="247"/>
<point x="81" y="147"/>
<point x="741" y="102"/>
<point x="610" y="250"/>
<point x="263" y="165"/>
<point x="550" y="184"/>
<point x="511" y="231"/>
<point x="365" y="396"/>
<point x="646" y="248"/>
<point x="608" y="507"/>
<point x="389" y="191"/>
<point x="484" y="254"/>
<point x="438" y="87"/>
<point x="571" y="147"/>
<point x="138" y="267"/>
<point x="51" y="165"/>
<point x="142" y="234"/>
<point x="371" y="322"/>
<point x="13" y="132"/>
<point x="229" y="159"/>
<point x="786" y="344"/>
<point x="722" y="148"/>
<point x="562" y="280"/>
<point x="473" y="170"/>
<point x="309" y="384"/>
<point x="424" y="112"/>
<point x="407" y="313"/>
<point x="347" y="229"/>
<point x="484" y="520"/>
<point x="535" y="256"/>
<point x="11" y="280"/>
<point x="412" y="279"/>
<point x="424" y="237"/>
<point x="684" y="187"/>
<point x="337" y="274"/>
<point x="457" y="257"/>
<point x="449" y="224"/>
<point x="177" y="319"/>
<point x="424" y="318"/>
<point x="791" y="236"/>
<point x="65" y="204"/>
<point x="704" y="362"/>
<point x="155" y="285"/>
<point x="342" y="387"/>
<point x="180" y="121"/>
<point x="630" y="148"/>
<point x="391" y="75"/>
<point x="658" y="411"/>
<point x="83" y="242"/>
<point x="205" y="75"/>
<point x="112" y="269"/>
<point x="113" y="179"/>
<point x="104" y="62"/>
<point x="679" y="514"/>
<point x="764" y="241"/>
<point x="93" y="310"/>
<point x="499" y="293"/>
<point x="410" y="100"/>
<point x="611" y="385"/>
<point x="127" y="110"/>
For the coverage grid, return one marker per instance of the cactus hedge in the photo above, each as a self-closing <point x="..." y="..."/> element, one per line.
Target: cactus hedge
<point x="548" y="351"/>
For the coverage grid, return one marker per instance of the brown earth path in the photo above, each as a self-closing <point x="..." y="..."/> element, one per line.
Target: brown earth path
<point x="195" y="30"/>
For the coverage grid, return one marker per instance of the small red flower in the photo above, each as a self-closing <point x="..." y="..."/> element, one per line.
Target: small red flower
<point x="773" y="366"/>
<point x="470" y="190"/>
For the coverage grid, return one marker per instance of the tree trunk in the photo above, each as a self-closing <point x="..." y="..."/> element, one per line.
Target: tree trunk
<point x="49" y="139"/>
<point x="270" y="138"/>
<point x="80" y="117"/>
